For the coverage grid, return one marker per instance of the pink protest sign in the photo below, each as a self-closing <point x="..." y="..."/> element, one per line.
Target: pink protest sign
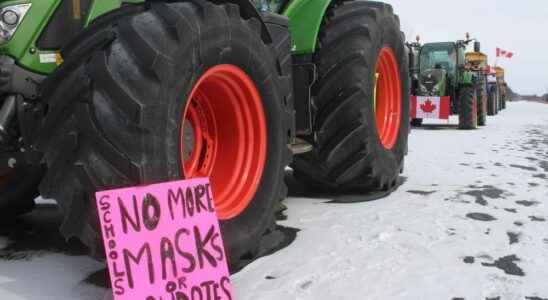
<point x="163" y="242"/>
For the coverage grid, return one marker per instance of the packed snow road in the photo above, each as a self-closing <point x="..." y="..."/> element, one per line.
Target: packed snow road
<point x="470" y="221"/>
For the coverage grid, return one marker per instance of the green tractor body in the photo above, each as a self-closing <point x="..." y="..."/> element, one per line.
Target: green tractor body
<point x="100" y="94"/>
<point x="443" y="73"/>
<point x="36" y="51"/>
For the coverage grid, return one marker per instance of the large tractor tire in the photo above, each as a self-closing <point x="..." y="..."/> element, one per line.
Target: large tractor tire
<point x="361" y="138"/>
<point x="491" y="103"/>
<point x="168" y="91"/>
<point x="18" y="189"/>
<point x="499" y="99"/>
<point x="481" y="96"/>
<point x="496" y="97"/>
<point x="468" y="107"/>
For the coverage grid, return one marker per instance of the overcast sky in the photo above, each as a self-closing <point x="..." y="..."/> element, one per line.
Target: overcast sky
<point x="519" y="26"/>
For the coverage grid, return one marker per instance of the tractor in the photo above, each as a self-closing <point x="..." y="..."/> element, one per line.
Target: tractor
<point x="501" y="86"/>
<point x="102" y="94"/>
<point x="477" y="63"/>
<point x="447" y="85"/>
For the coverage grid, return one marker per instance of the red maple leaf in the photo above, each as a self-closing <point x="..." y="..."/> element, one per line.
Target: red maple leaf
<point x="427" y="106"/>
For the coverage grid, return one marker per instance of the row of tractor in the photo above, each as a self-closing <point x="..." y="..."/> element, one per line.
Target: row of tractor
<point x="101" y="94"/>
<point x="446" y="80"/>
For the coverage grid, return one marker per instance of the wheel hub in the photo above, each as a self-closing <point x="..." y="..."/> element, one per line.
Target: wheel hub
<point x="387" y="104"/>
<point x="224" y="137"/>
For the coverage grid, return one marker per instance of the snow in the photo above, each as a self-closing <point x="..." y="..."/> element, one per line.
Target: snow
<point x="445" y="233"/>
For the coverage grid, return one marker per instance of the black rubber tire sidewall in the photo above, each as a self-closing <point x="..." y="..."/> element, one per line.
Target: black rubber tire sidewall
<point x="481" y="97"/>
<point x="247" y="51"/>
<point x="468" y="117"/>
<point x="348" y="154"/>
<point x="491" y="103"/>
<point x="135" y="89"/>
<point x="388" y="162"/>
<point x="249" y="226"/>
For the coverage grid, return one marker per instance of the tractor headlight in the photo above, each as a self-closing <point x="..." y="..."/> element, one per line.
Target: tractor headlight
<point x="10" y="18"/>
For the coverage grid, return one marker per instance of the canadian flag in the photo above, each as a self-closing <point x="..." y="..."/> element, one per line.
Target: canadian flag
<point x="430" y="107"/>
<point x="504" y="53"/>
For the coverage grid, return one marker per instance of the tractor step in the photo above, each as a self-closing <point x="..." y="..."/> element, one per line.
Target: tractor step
<point x="300" y="146"/>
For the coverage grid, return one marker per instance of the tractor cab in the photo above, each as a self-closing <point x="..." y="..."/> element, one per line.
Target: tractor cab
<point x="438" y="64"/>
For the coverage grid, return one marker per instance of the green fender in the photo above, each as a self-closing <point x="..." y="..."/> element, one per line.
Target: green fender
<point x="305" y="19"/>
<point x="442" y="87"/>
<point x="305" y="16"/>
<point x="467" y="78"/>
<point x="22" y="47"/>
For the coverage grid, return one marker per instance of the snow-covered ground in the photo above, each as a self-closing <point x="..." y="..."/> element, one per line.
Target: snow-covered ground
<point x="469" y="222"/>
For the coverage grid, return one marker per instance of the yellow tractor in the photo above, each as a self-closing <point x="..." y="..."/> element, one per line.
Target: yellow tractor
<point x="501" y="86"/>
<point x="477" y="63"/>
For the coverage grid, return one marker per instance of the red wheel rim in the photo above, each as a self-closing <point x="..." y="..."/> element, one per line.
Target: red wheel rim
<point x="224" y="137"/>
<point x="388" y="98"/>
